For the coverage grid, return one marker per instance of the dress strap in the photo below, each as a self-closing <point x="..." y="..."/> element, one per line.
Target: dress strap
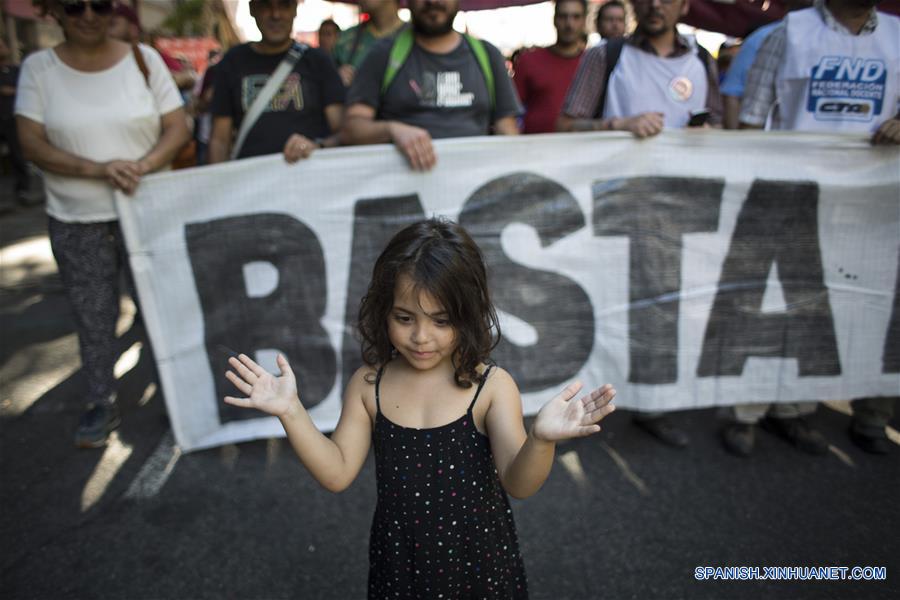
<point x="478" y="391"/>
<point x="377" y="385"/>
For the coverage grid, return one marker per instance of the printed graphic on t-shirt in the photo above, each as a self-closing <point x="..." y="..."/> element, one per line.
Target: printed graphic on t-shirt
<point x="443" y="89"/>
<point x="289" y="97"/>
<point x="843" y="88"/>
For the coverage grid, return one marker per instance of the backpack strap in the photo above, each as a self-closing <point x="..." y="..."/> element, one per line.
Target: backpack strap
<point x="141" y="63"/>
<point x="613" y="52"/>
<point x="403" y="45"/>
<point x="400" y="50"/>
<point x="484" y="62"/>
<point x="704" y="57"/>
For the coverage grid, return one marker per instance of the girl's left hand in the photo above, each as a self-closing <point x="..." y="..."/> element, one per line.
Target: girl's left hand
<point x="564" y="418"/>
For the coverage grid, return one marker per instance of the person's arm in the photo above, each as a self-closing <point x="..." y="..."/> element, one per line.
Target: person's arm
<point x="360" y="127"/>
<point x="507" y="105"/>
<point x="714" y="103"/>
<point x="36" y="147"/>
<point x="520" y="80"/>
<point x="523" y="460"/>
<point x="220" y="139"/>
<point x="175" y="134"/>
<point x="584" y="95"/>
<point x="506" y="126"/>
<point x="333" y="462"/>
<point x="334" y="114"/>
<point x="759" y="91"/>
<point x="732" y="106"/>
<point x="641" y="126"/>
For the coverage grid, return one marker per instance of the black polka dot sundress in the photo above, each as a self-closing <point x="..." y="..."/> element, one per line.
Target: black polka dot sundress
<point x="443" y="527"/>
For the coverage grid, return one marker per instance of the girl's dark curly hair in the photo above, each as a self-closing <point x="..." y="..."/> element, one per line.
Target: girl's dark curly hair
<point x="443" y="260"/>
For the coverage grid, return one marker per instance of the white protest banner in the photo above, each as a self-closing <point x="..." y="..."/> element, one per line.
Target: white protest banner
<point x="694" y="269"/>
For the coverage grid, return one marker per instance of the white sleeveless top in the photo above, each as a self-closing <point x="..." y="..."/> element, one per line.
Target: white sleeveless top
<point x="643" y="82"/>
<point x="834" y="81"/>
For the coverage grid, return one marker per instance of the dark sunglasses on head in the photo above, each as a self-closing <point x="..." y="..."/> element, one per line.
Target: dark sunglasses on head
<point x="76" y="8"/>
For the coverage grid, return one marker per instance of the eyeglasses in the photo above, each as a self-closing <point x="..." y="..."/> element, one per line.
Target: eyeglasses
<point x="76" y="8"/>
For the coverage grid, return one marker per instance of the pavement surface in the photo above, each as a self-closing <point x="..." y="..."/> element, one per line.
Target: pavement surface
<point x="621" y="516"/>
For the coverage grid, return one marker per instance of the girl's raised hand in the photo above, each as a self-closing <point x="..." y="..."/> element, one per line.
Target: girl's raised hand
<point x="266" y="392"/>
<point x="563" y="417"/>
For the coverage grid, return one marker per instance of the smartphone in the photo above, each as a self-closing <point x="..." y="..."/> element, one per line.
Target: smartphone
<point x="699" y="118"/>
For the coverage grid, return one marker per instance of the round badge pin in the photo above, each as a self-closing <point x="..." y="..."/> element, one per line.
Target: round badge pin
<point x="681" y="89"/>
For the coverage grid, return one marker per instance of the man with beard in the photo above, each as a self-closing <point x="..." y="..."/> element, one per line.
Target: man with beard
<point x="543" y="75"/>
<point x="302" y="114"/>
<point x="658" y="80"/>
<point x="440" y="90"/>
<point x="832" y="67"/>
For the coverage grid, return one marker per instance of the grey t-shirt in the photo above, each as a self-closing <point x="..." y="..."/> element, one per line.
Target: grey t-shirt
<point x="445" y="94"/>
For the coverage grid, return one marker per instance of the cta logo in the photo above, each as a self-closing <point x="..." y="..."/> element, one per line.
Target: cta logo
<point x="827" y="106"/>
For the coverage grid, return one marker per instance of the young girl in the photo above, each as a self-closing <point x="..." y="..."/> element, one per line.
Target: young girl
<point x="446" y="425"/>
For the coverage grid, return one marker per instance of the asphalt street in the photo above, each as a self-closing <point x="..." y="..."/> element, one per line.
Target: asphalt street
<point x="621" y="516"/>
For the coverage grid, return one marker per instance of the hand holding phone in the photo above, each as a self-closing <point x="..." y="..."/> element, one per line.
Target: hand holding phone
<point x="699" y="118"/>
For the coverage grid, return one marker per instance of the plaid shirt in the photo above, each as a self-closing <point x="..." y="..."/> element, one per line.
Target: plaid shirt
<point x="587" y="88"/>
<point x="759" y="93"/>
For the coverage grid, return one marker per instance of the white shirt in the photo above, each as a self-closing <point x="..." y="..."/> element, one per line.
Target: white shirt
<point x="101" y="116"/>
<point x="643" y="82"/>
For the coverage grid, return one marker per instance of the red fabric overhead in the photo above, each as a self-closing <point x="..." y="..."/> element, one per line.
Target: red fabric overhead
<point x="741" y="17"/>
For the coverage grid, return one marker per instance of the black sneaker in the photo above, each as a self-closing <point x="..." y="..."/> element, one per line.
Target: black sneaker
<point x="95" y="425"/>
<point x="739" y="439"/>
<point x="870" y="443"/>
<point x="664" y="430"/>
<point x="798" y="432"/>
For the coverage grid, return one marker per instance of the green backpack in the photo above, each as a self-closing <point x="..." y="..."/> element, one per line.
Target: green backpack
<point x="402" y="46"/>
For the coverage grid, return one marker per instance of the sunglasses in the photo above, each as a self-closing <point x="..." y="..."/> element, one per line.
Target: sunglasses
<point x="77" y="8"/>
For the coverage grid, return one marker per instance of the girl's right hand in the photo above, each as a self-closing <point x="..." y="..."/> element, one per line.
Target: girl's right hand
<point x="266" y="392"/>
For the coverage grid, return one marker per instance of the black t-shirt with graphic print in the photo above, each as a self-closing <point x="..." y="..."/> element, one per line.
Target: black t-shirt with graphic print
<point x="298" y="107"/>
<point x="445" y="94"/>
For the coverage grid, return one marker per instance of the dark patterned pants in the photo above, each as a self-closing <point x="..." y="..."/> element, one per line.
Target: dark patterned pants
<point x="91" y="258"/>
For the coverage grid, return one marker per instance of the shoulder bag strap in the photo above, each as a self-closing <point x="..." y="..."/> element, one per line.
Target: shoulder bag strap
<point x="141" y="63"/>
<point x="484" y="62"/>
<point x="613" y="52"/>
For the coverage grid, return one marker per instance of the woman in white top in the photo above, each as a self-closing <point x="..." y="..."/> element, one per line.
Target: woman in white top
<point x="95" y="114"/>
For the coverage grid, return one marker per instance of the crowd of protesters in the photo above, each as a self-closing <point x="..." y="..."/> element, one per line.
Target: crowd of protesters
<point x="383" y="81"/>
